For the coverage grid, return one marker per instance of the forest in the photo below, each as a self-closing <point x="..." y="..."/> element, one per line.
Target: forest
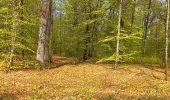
<point x="84" y="50"/>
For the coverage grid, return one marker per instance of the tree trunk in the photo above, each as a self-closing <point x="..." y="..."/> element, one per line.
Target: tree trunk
<point x="133" y="16"/>
<point x="13" y="37"/>
<point x="43" y="51"/>
<point x="51" y="32"/>
<point x="118" y="34"/>
<point x="86" y="42"/>
<point x="22" y="32"/>
<point x="146" y="25"/>
<point x="22" y="29"/>
<point x="11" y="52"/>
<point x="166" y="41"/>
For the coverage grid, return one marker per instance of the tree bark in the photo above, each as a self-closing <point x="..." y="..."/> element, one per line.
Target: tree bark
<point x="44" y="49"/>
<point x="118" y="34"/>
<point x="51" y="32"/>
<point x="166" y="41"/>
<point x="87" y="40"/>
<point x="146" y="25"/>
<point x="133" y="16"/>
<point x="22" y="32"/>
<point x="13" y="38"/>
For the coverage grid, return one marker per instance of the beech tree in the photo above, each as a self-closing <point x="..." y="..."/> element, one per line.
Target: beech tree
<point x="44" y="49"/>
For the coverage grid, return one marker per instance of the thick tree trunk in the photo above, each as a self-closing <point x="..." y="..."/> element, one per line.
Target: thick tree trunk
<point x="44" y="49"/>
<point x="166" y="41"/>
<point x="118" y="34"/>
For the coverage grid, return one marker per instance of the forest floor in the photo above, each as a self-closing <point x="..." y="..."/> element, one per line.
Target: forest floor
<point x="86" y="82"/>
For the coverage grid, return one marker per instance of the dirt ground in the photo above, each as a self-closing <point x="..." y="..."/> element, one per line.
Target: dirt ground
<point x="86" y="82"/>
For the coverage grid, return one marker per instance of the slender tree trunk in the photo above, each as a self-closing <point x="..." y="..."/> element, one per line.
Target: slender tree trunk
<point x="11" y="52"/>
<point x="51" y="32"/>
<point x="157" y="53"/>
<point x="22" y="32"/>
<point x="133" y="16"/>
<point x="60" y="35"/>
<point x="87" y="40"/>
<point x="146" y="29"/>
<point x="166" y="41"/>
<point x="22" y="29"/>
<point x="94" y="31"/>
<point x="156" y="41"/>
<point x="43" y="51"/>
<point x="118" y="34"/>
<point x="13" y="38"/>
<point x="75" y="22"/>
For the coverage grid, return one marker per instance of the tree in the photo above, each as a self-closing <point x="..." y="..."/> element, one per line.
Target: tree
<point x="14" y="31"/>
<point x="133" y="15"/>
<point x="118" y="34"/>
<point x="13" y="39"/>
<point x="44" y="49"/>
<point x="146" y="25"/>
<point x="86" y="30"/>
<point x="22" y="30"/>
<point x="167" y="41"/>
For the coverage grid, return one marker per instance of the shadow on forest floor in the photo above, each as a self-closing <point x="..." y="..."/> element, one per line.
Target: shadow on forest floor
<point x="6" y="96"/>
<point x="155" y="68"/>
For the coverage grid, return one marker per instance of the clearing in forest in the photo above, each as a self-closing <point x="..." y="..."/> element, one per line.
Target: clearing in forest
<point x="86" y="81"/>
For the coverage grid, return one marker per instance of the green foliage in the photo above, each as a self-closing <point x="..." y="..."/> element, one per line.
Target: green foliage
<point x="17" y="21"/>
<point x="91" y="25"/>
<point x="84" y="28"/>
